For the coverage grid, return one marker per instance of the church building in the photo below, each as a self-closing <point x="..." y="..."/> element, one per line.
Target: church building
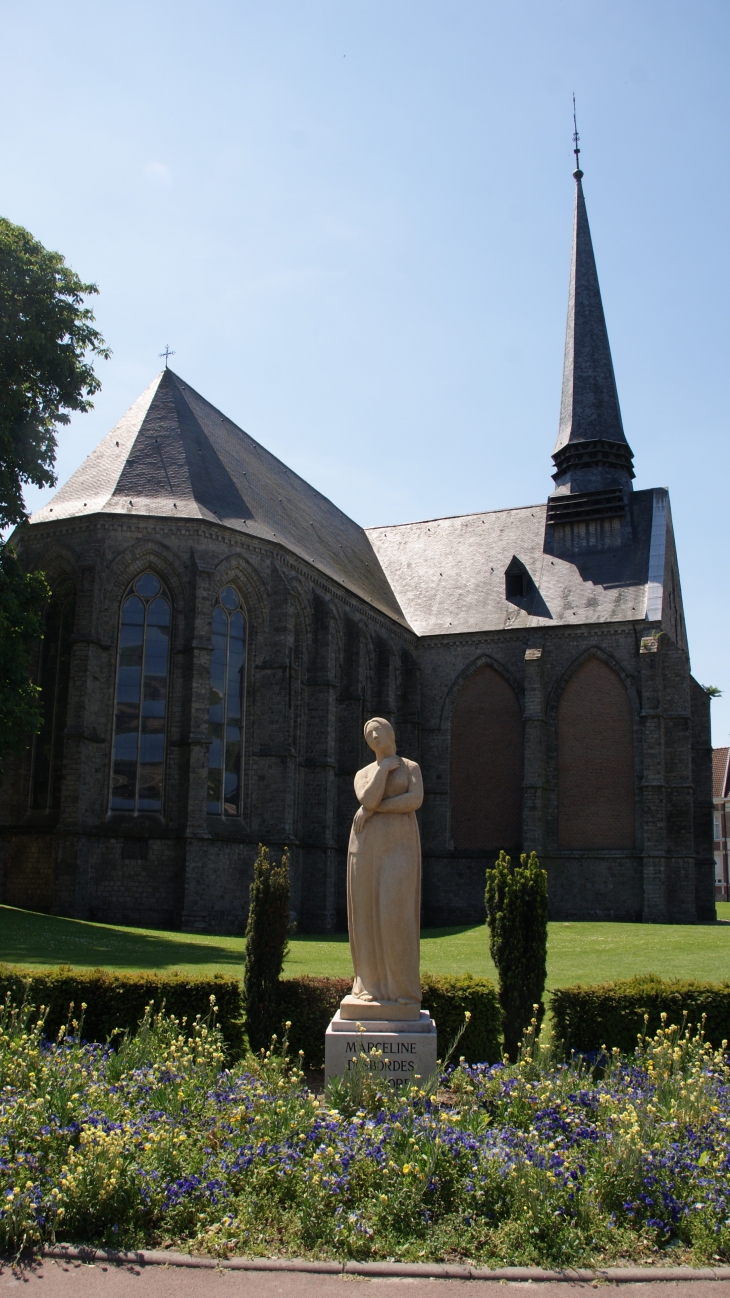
<point x="219" y="632"/>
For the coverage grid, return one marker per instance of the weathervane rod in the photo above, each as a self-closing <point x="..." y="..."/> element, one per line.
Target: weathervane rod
<point x="167" y="353"/>
<point x="576" y="149"/>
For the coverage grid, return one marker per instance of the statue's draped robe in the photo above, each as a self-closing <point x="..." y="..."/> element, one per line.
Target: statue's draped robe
<point x="384" y="900"/>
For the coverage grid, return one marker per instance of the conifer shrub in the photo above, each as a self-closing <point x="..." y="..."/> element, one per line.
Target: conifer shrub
<point x="267" y="933"/>
<point x="517" y="914"/>
<point x="612" y="1014"/>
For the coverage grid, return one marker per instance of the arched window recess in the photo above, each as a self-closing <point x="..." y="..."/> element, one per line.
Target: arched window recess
<point x="141" y="698"/>
<point x="54" y="671"/>
<point x="226" y="705"/>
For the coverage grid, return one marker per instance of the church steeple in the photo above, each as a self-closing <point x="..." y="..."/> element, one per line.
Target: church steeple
<point x="591" y="453"/>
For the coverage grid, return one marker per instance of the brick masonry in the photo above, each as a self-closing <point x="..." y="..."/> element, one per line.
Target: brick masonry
<point x="566" y="739"/>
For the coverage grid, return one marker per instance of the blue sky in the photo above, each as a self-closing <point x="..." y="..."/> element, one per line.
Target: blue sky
<point x="351" y="220"/>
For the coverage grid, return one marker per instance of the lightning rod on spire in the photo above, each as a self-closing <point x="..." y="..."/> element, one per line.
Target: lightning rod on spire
<point x="578" y="174"/>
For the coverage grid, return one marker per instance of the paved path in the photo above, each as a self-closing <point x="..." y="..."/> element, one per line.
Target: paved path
<point x="61" y="1279"/>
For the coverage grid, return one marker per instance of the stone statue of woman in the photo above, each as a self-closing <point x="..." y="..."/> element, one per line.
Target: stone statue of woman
<point x="384" y="884"/>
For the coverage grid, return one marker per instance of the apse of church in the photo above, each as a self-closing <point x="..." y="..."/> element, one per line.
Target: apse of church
<point x="219" y="632"/>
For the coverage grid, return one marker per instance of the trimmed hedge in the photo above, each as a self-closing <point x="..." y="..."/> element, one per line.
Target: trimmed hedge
<point x="309" y="1004"/>
<point x="612" y="1014"/>
<point x="119" y="1000"/>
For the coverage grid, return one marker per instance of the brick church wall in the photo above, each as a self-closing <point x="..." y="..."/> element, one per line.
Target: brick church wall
<point x="486" y="765"/>
<point x="595" y="761"/>
<point x="320" y="660"/>
<point x="486" y="714"/>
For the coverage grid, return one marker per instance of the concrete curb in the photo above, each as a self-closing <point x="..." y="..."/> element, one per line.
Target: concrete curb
<point x="391" y="1270"/>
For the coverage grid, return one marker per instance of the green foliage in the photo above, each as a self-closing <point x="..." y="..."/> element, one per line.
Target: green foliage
<point x="118" y="1002"/>
<point x="267" y="932"/>
<point x="22" y="597"/>
<point x="714" y="691"/>
<point x="152" y="1145"/>
<point x="309" y="1004"/>
<point x="517" y="913"/>
<point x="450" y="999"/>
<point x="612" y="1014"/>
<point x="46" y="334"/>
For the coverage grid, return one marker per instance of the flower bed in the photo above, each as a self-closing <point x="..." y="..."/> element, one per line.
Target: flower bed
<point x="159" y="1144"/>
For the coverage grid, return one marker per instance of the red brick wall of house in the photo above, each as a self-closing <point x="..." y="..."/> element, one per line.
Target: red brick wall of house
<point x="486" y="764"/>
<point x="595" y="761"/>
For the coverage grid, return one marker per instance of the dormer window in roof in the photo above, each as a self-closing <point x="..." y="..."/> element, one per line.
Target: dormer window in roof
<point x="517" y="581"/>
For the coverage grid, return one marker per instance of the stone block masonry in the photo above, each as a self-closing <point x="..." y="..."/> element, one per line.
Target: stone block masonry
<point x="399" y="1053"/>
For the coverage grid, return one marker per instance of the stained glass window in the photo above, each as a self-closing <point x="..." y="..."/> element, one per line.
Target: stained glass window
<point x="53" y="678"/>
<point x="141" y="704"/>
<point x="225" y="707"/>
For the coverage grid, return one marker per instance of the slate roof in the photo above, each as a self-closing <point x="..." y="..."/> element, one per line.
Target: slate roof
<point x="174" y="455"/>
<point x="720" y="773"/>
<point x="449" y="573"/>
<point x="589" y="407"/>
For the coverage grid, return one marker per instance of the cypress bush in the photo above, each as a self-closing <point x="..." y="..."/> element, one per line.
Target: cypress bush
<point x="517" y="914"/>
<point x="612" y="1014"/>
<point x="267" y="932"/>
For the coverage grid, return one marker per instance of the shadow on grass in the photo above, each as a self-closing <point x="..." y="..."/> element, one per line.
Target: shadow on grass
<point x="27" y="937"/>
<point x="428" y="933"/>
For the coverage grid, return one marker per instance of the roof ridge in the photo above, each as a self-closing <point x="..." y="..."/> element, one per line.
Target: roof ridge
<point x="445" y="518"/>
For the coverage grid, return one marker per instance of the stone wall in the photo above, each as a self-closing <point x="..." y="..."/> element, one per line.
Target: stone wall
<point x="320" y="661"/>
<point x="657" y="872"/>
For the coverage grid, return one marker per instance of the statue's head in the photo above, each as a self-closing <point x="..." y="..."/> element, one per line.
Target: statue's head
<point x="380" y="735"/>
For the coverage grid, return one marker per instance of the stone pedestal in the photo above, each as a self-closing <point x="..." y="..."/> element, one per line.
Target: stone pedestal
<point x="400" y="1052"/>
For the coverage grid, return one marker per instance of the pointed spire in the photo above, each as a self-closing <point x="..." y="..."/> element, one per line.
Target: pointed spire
<point x="591" y="453"/>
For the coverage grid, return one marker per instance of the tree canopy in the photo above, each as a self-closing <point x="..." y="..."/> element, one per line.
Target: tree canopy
<point x="22" y="597"/>
<point x="47" y="343"/>
<point x="47" y="340"/>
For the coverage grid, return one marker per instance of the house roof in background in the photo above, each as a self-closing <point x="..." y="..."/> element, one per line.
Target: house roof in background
<point x="720" y="773"/>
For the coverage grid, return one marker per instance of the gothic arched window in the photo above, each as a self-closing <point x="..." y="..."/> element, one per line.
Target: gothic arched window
<point x="595" y="760"/>
<point x="141" y="703"/>
<point x="225" y="707"/>
<point x="486" y="765"/>
<point x="53" y="678"/>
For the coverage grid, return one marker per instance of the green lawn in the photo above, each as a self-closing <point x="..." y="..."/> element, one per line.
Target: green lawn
<point x="576" y="953"/>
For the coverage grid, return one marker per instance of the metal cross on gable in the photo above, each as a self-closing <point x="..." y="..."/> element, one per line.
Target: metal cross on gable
<point x="167" y="353"/>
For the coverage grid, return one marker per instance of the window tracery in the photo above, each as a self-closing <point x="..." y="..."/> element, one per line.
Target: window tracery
<point x="54" y="679"/>
<point x="226" y="705"/>
<point x="141" y="697"/>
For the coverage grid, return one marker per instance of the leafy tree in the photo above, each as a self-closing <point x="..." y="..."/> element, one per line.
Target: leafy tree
<point x="517" y="914"/>
<point x="22" y="596"/>
<point x="46" y="336"/>
<point x="267" y="932"/>
<point x="714" y="691"/>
